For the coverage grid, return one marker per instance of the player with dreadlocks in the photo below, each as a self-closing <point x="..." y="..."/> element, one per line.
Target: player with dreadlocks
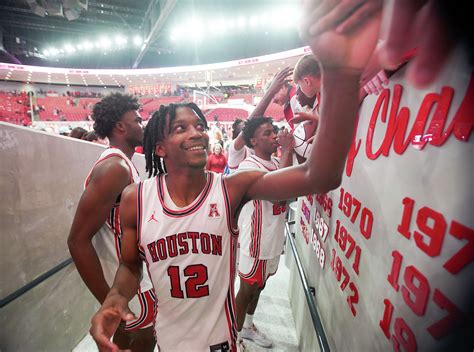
<point x="182" y="223"/>
<point x="156" y="133"/>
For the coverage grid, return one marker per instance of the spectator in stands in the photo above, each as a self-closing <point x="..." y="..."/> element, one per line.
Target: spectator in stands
<point x="307" y="76"/>
<point x="63" y="130"/>
<point x="78" y="132"/>
<point x="93" y="137"/>
<point x="216" y="160"/>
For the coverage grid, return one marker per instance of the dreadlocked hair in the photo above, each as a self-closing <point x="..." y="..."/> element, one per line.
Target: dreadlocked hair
<point x="107" y="112"/>
<point x="155" y="132"/>
<point x="251" y="126"/>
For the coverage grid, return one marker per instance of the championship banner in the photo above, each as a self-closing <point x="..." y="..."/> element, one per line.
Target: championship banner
<point x="390" y="252"/>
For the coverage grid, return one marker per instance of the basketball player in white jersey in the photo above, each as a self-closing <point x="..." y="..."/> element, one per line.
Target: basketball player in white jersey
<point x="182" y="223"/>
<point x="261" y="224"/>
<point x="278" y="88"/>
<point x="96" y="235"/>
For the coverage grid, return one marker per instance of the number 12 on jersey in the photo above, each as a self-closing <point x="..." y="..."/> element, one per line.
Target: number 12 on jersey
<point x="195" y="284"/>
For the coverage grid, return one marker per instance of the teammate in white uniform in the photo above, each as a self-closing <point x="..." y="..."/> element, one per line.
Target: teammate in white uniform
<point x="261" y="224"/>
<point x="277" y="90"/>
<point x="96" y="234"/>
<point x="190" y="251"/>
<point x="176" y="138"/>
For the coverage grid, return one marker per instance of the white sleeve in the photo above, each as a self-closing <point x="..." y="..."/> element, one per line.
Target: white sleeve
<point x="235" y="156"/>
<point x="248" y="165"/>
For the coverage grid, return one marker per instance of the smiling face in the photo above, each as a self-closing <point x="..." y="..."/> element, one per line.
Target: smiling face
<point x="217" y="149"/>
<point x="186" y="141"/>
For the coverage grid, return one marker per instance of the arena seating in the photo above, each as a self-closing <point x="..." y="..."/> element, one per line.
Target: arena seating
<point x="13" y="108"/>
<point x="154" y="104"/>
<point x="226" y="114"/>
<point x="248" y="98"/>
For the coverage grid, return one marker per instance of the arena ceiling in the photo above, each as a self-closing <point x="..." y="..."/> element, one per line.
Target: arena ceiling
<point x="170" y="32"/>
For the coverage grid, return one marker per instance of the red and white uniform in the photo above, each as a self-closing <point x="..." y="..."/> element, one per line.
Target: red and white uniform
<point x="237" y="156"/>
<point x="261" y="223"/>
<point x="107" y="243"/>
<point x="190" y="255"/>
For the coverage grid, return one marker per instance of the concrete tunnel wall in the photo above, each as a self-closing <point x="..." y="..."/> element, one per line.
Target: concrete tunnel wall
<point x="41" y="180"/>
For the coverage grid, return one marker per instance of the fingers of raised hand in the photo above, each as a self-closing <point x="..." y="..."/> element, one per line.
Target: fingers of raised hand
<point x="357" y="17"/>
<point x="399" y="18"/>
<point x="331" y="13"/>
<point x="284" y="74"/>
<point x="303" y="116"/>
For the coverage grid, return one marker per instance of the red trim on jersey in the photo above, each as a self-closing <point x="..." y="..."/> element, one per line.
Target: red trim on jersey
<point x="107" y="157"/>
<point x="253" y="159"/>
<point x="287" y="111"/>
<point x="256" y="234"/>
<point x="230" y="303"/>
<point x="147" y="311"/>
<point x="228" y="207"/>
<point x="252" y="271"/>
<point x="187" y="211"/>
<point x="139" y="212"/>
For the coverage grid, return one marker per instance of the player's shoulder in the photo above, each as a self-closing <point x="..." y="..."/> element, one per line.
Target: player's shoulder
<point x="130" y="191"/>
<point x="112" y="168"/>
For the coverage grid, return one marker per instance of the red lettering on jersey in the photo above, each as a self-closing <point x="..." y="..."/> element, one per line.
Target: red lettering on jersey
<point x="161" y="249"/>
<point x="213" y="213"/>
<point x="205" y="243"/>
<point x="216" y="244"/>
<point x="152" y="249"/>
<point x="167" y="247"/>
<point x="184" y="248"/>
<point x="172" y="246"/>
<point x="194" y="236"/>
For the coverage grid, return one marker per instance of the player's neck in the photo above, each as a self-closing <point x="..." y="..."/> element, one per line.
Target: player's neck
<point x="123" y="146"/>
<point x="262" y="155"/>
<point x="186" y="185"/>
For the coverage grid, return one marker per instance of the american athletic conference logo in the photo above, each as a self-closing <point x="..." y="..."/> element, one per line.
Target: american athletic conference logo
<point x="213" y="212"/>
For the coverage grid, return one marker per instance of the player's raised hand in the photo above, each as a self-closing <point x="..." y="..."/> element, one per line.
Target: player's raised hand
<point x="106" y="321"/>
<point x="335" y="49"/>
<point x="286" y="139"/>
<point x="280" y="79"/>
<point x="304" y="116"/>
<point x="409" y="24"/>
<point x="344" y="16"/>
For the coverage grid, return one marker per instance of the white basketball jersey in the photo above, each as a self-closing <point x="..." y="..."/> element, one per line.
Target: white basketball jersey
<point x="190" y="255"/>
<point x="262" y="223"/>
<point x="107" y="241"/>
<point x="235" y="157"/>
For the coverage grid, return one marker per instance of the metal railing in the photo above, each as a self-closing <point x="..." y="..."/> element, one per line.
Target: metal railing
<point x="22" y="290"/>
<point x="318" y="326"/>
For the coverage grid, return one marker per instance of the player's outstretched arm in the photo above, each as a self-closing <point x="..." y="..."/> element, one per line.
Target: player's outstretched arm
<point x="280" y="79"/>
<point x="108" y="180"/>
<point x="277" y="83"/>
<point x="342" y="58"/>
<point x="127" y="280"/>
